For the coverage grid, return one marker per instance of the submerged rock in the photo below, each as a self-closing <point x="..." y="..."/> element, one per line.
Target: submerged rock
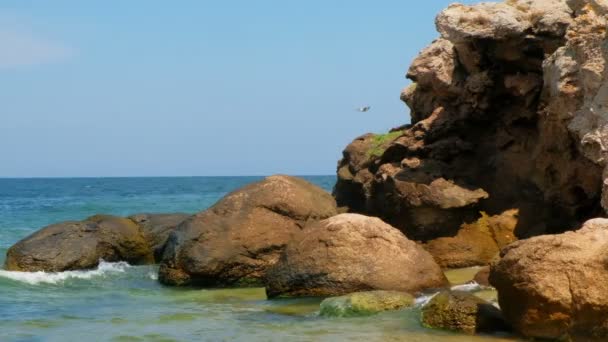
<point x="508" y="112"/>
<point x="365" y="303"/>
<point x="475" y="244"/>
<point x="235" y="241"/>
<point x="464" y="312"/>
<point x="555" y="286"/>
<point x="80" y="245"/>
<point x="351" y="253"/>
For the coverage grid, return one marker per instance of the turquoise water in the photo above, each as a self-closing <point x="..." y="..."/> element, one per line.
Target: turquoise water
<point x="119" y="302"/>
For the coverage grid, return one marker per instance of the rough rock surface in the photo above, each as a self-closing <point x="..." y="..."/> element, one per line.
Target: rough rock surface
<point x="351" y="253"/>
<point x="464" y="312"/>
<point x="482" y="277"/>
<point x="509" y="110"/>
<point x="365" y="303"/>
<point x="475" y="244"/>
<point x="80" y="245"/>
<point x="156" y="229"/>
<point x="240" y="237"/>
<point x="555" y="286"/>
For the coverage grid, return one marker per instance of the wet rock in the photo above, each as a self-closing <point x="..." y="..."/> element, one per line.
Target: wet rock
<point x="555" y="286"/>
<point x="365" y="303"/>
<point x="475" y="244"/>
<point x="80" y="245"/>
<point x="234" y="242"/>
<point x="463" y="312"/>
<point x="351" y="253"/>
<point x="156" y="229"/>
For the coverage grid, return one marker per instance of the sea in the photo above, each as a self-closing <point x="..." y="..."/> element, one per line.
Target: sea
<point x="121" y="302"/>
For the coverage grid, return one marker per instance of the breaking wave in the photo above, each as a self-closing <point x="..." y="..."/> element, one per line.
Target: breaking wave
<point x="35" y="278"/>
<point x="468" y="287"/>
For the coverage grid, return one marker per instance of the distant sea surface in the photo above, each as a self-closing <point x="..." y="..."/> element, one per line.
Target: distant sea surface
<point x="120" y="302"/>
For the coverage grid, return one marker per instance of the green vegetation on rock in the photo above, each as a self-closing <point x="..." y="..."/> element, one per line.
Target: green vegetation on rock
<point x="463" y="312"/>
<point x="380" y="141"/>
<point x="365" y="303"/>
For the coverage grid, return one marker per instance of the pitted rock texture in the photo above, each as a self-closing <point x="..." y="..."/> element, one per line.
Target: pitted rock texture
<point x="554" y="286"/>
<point x="352" y="253"/>
<point x="234" y="242"/>
<point x="509" y="110"/>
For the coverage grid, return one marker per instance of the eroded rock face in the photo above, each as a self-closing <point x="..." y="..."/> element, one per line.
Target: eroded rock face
<point x="555" y="286"/>
<point x="80" y="245"/>
<point x="507" y="111"/>
<point x="351" y="253"/>
<point x="240" y="237"/>
<point x="475" y="244"/>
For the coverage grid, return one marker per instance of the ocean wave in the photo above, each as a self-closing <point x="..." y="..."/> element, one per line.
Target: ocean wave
<point x="423" y="300"/>
<point x="468" y="287"/>
<point x="36" y="278"/>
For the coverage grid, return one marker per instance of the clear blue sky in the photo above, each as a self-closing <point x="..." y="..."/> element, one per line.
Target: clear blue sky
<point x="181" y="88"/>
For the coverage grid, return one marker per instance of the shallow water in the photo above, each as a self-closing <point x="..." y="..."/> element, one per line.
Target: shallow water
<point x="118" y="302"/>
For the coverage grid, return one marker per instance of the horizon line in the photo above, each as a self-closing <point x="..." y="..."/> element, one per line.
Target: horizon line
<point x="198" y="176"/>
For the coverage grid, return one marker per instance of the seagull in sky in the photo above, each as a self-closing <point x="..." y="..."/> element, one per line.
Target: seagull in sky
<point x="364" y="109"/>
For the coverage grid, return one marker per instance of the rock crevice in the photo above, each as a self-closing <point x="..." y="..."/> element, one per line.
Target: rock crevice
<point x="506" y="114"/>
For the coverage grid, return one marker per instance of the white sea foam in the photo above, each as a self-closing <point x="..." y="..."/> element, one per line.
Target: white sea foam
<point x="468" y="287"/>
<point x="423" y="300"/>
<point x="153" y="275"/>
<point x="35" y="278"/>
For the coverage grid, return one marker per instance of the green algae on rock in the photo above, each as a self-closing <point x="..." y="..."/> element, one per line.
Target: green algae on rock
<point x="365" y="303"/>
<point x="464" y="312"/>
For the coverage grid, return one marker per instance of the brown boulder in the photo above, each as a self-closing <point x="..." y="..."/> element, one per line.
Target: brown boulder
<point x="475" y="244"/>
<point x="555" y="286"/>
<point x="352" y="253"/>
<point x="80" y="245"/>
<point x="236" y="240"/>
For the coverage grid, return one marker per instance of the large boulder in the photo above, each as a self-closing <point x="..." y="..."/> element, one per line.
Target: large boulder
<point x="235" y="241"/>
<point x="365" y="303"/>
<point x="80" y="245"/>
<point x="508" y="111"/>
<point x="555" y="286"/>
<point x="475" y="244"/>
<point x="463" y="312"/>
<point x="351" y="253"/>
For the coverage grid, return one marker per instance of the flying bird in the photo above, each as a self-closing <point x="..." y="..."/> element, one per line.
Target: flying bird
<point x="364" y="109"/>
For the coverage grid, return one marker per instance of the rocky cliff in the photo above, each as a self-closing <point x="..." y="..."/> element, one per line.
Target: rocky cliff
<point x="508" y="111"/>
